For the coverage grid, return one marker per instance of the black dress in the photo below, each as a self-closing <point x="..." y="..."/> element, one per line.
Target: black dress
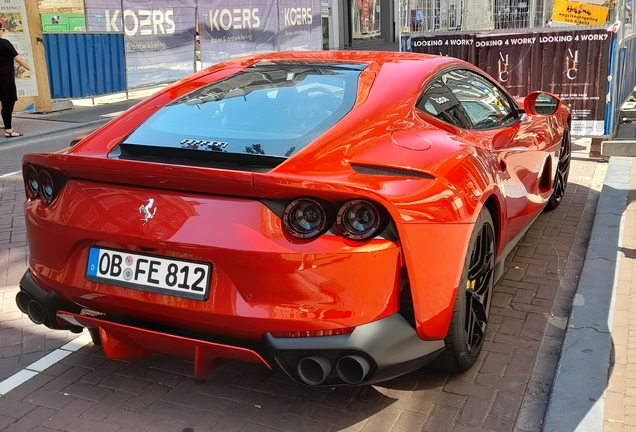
<point x="8" y="53"/>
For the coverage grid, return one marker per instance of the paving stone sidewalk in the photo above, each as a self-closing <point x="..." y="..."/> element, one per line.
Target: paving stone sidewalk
<point x="506" y="390"/>
<point x="620" y="397"/>
<point x="21" y="341"/>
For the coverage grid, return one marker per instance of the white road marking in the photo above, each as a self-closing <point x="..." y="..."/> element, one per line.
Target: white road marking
<point x="44" y="363"/>
<point x="10" y="174"/>
<point x="15" y="380"/>
<point x="113" y="114"/>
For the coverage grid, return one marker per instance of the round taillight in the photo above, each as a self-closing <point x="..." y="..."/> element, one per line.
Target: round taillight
<point x="358" y="220"/>
<point x="304" y="218"/>
<point x="47" y="187"/>
<point x="32" y="181"/>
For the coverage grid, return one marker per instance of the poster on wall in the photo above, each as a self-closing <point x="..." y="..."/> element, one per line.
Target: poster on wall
<point x="508" y="58"/>
<point x="13" y="19"/>
<point x="575" y="67"/>
<point x="571" y="64"/>
<point x="230" y="29"/>
<point x="299" y="25"/>
<point x="159" y="36"/>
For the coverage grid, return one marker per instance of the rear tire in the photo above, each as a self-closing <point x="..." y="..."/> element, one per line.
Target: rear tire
<point x="467" y="330"/>
<point x="562" y="172"/>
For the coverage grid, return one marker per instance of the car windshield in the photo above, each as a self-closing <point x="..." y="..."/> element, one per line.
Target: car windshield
<point x="271" y="109"/>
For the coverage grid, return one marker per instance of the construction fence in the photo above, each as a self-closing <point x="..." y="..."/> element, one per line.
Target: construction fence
<point x="581" y="52"/>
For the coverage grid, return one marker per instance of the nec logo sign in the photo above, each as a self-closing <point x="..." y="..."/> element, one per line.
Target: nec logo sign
<point x="144" y="22"/>
<point x="235" y="19"/>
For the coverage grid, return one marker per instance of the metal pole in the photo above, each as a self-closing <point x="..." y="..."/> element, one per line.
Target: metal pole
<point x="532" y="12"/>
<point x="123" y="29"/>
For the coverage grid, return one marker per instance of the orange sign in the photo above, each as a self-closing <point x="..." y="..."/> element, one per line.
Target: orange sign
<point x="581" y="14"/>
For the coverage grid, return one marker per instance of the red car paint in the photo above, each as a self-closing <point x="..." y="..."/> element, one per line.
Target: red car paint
<point x="263" y="279"/>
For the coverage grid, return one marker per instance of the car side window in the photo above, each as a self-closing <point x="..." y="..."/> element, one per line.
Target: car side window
<point x="439" y="101"/>
<point x="486" y="105"/>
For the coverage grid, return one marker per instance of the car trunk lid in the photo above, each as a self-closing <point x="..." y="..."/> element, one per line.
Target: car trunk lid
<point x="145" y="174"/>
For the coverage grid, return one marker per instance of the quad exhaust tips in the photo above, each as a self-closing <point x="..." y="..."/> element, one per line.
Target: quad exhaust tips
<point x="42" y="306"/>
<point x="352" y="369"/>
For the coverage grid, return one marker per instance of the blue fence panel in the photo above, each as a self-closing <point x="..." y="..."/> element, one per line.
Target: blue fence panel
<point x="85" y="64"/>
<point x="625" y="79"/>
<point x="626" y="68"/>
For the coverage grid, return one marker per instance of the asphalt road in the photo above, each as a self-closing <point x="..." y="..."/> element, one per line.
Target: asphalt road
<point x="506" y="390"/>
<point x="11" y="152"/>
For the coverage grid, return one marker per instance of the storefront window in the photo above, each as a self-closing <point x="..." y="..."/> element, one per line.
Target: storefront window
<point x="366" y="19"/>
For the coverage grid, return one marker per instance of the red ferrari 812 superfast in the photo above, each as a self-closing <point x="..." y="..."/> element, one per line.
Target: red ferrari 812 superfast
<point x="340" y="215"/>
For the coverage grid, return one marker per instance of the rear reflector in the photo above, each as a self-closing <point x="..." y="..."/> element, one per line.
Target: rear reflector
<point x="313" y="333"/>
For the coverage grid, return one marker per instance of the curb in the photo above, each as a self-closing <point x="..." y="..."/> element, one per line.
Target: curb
<point x="622" y="147"/>
<point x="577" y="400"/>
<point x="59" y="130"/>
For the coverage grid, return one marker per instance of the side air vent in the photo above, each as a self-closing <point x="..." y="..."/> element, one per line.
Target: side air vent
<point x="544" y="182"/>
<point x="388" y="171"/>
<point x="406" y="298"/>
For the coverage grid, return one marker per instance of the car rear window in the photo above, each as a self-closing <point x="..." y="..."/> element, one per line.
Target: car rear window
<point x="271" y="109"/>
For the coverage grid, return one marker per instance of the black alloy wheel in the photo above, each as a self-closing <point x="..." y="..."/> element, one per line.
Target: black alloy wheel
<point x="479" y="283"/>
<point x="467" y="330"/>
<point x="562" y="172"/>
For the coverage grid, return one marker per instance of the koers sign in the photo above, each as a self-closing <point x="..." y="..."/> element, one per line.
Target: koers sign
<point x="234" y="19"/>
<point x="144" y="22"/>
<point x="246" y="18"/>
<point x="297" y="16"/>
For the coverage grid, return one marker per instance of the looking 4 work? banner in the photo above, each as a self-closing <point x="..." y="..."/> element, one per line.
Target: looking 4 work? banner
<point x="570" y="64"/>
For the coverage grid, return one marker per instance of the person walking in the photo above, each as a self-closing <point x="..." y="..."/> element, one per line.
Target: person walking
<point x="8" y="91"/>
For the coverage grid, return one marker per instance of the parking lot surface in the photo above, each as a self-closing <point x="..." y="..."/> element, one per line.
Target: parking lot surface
<point x="507" y="390"/>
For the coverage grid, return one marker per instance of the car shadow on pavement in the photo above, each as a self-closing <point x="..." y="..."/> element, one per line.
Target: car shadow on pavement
<point x="233" y="397"/>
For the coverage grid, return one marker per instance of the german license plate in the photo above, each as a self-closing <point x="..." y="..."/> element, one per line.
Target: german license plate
<point x="168" y="276"/>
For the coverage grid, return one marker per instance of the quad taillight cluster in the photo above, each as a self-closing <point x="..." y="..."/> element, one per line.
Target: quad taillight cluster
<point x="303" y="218"/>
<point x="41" y="183"/>
<point x="306" y="218"/>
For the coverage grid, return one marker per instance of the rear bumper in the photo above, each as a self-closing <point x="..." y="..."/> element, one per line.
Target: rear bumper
<point x="242" y="240"/>
<point x="388" y="347"/>
<point x="371" y="353"/>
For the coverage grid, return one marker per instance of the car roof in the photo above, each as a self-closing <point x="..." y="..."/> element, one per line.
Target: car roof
<point x="376" y="59"/>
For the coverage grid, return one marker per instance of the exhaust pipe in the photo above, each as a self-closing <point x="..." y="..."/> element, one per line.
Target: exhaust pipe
<point x="22" y="299"/>
<point x="36" y="312"/>
<point x="313" y="370"/>
<point x="352" y="369"/>
<point x="42" y="306"/>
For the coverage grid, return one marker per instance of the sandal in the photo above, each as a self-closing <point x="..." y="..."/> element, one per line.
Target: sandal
<point x="12" y="134"/>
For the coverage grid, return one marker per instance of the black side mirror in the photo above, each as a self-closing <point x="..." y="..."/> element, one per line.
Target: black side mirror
<point x="76" y="140"/>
